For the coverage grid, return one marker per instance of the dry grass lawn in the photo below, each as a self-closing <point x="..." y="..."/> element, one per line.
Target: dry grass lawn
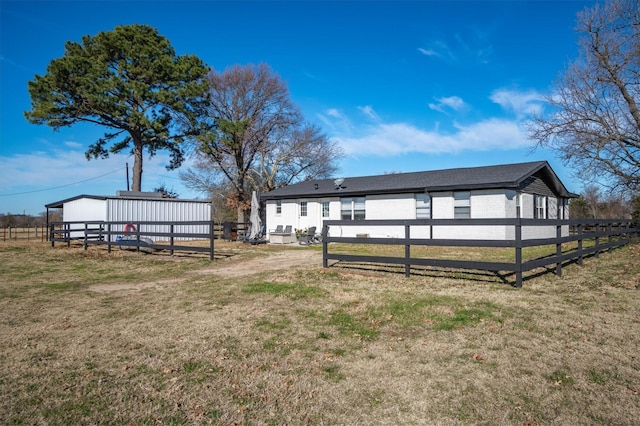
<point x="265" y="336"/>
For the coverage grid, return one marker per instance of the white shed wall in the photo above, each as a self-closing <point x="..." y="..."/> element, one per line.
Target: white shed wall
<point x="132" y="210"/>
<point x="83" y="210"/>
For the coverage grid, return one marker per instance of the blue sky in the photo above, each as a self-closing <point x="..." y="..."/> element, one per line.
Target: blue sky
<point x="401" y="86"/>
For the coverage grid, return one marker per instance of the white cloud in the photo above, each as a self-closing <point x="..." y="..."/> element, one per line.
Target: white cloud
<point x="332" y="112"/>
<point x="438" y="49"/>
<point x="452" y="102"/>
<point x="428" y="52"/>
<point x="73" y="145"/>
<point x="40" y="171"/>
<point x="336" y="121"/>
<point x="520" y="103"/>
<point x="369" y="112"/>
<point x="471" y="46"/>
<point x="401" y="138"/>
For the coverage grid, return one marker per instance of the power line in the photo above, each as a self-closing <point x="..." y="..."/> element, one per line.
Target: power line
<point x="63" y="186"/>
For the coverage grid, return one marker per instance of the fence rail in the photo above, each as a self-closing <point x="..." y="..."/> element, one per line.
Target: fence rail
<point x="14" y="233"/>
<point x="603" y="235"/>
<point x="140" y="235"/>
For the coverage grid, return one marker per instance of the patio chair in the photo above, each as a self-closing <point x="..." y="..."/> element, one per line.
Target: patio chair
<point x="310" y="237"/>
<point x="281" y="236"/>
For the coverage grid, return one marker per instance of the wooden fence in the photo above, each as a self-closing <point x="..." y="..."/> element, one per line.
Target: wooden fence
<point x="602" y="235"/>
<point x="140" y="235"/>
<point x="14" y="233"/>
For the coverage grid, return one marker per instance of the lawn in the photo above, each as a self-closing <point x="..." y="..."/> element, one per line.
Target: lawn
<point x="90" y="337"/>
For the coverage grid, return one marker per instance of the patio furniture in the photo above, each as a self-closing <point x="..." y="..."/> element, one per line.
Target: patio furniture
<point x="283" y="237"/>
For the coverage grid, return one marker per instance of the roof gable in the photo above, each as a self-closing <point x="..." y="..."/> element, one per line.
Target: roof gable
<point x="469" y="178"/>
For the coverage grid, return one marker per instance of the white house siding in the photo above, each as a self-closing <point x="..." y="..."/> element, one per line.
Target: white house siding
<point x="485" y="204"/>
<point x="534" y="232"/>
<point x="384" y="207"/>
<point x="163" y="210"/>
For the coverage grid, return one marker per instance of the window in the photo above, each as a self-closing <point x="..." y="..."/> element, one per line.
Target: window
<point x="539" y="207"/>
<point x="303" y="208"/>
<point x="423" y="206"/>
<point x="325" y="209"/>
<point x="563" y="208"/>
<point x="345" y="209"/>
<point x="358" y="209"/>
<point x="462" y="205"/>
<point x="518" y="211"/>
<point x="278" y="206"/>
<point x="352" y="209"/>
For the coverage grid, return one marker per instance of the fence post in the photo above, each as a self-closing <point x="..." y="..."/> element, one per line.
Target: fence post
<point x="580" y="239"/>
<point x="86" y="229"/>
<point x="171" y="239"/>
<point x="325" y="249"/>
<point x="597" y="254"/>
<point x="407" y="250"/>
<point x="138" y="237"/>
<point x="559" y="249"/>
<point x="518" y="263"/>
<point x="212" y="236"/>
<point x="109" y="239"/>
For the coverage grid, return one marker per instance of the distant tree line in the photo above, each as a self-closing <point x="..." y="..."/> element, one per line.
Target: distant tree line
<point x="25" y="220"/>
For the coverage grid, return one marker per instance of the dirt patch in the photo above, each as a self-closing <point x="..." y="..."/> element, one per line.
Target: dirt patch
<point x="277" y="261"/>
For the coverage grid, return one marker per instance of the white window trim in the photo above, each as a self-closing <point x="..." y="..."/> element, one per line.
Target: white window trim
<point x="352" y="208"/>
<point x="539" y="211"/>
<point x="322" y="209"/>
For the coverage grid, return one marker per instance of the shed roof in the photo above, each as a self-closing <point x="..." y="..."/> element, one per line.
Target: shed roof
<point x="508" y="176"/>
<point x="129" y="195"/>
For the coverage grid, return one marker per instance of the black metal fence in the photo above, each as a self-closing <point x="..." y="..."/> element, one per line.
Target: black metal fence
<point x="601" y="235"/>
<point x="140" y="235"/>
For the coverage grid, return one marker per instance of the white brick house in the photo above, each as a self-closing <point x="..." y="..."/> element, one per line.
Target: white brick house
<point x="526" y="190"/>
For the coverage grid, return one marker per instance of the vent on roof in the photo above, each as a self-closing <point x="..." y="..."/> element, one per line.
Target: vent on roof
<point x="138" y="194"/>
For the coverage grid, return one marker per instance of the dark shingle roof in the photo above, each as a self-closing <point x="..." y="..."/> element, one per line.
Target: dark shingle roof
<point x="500" y="176"/>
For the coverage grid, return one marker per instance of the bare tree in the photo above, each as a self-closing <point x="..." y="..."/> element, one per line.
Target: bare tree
<point x="303" y="153"/>
<point x="594" y="122"/>
<point x="593" y="198"/>
<point x="259" y="139"/>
